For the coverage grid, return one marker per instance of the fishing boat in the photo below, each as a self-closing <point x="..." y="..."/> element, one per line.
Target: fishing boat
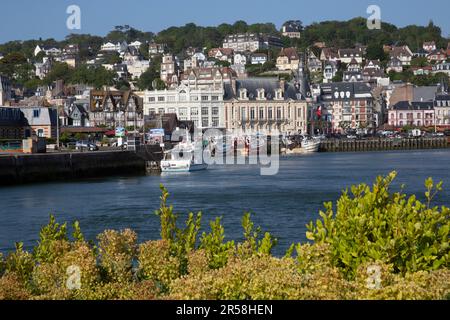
<point x="310" y="145"/>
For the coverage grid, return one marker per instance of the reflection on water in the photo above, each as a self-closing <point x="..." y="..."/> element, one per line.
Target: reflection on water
<point x="283" y="204"/>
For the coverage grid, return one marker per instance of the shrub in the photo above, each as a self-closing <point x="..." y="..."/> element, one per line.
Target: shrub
<point x="375" y="225"/>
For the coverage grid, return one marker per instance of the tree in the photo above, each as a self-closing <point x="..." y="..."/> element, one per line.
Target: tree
<point x="60" y="71"/>
<point x="375" y="52"/>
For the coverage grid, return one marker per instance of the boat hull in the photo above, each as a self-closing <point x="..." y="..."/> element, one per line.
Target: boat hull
<point x="175" y="167"/>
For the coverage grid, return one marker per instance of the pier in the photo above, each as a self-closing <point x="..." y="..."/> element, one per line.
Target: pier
<point x="338" y="145"/>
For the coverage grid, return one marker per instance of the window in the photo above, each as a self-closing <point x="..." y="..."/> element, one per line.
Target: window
<point x="279" y="113"/>
<point x="40" y="132"/>
<point x="243" y="114"/>
<point x="205" y="111"/>
<point x="215" y="122"/>
<point x="205" y="122"/>
<point x="194" y="111"/>
<point x="171" y="98"/>
<point x="215" y="111"/>
<point x="270" y="114"/>
<point x="252" y="114"/>
<point x="36" y="113"/>
<point x="161" y="99"/>
<point x="205" y="98"/>
<point x="151" y="99"/>
<point x="261" y="113"/>
<point x="215" y="98"/>
<point x="161" y="110"/>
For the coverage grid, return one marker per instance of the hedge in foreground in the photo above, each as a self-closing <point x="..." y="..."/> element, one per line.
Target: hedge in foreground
<point x="374" y="244"/>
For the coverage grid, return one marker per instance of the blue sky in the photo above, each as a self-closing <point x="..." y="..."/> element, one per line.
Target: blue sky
<point x="28" y="19"/>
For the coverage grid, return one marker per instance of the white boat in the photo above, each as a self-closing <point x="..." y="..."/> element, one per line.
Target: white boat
<point x="310" y="145"/>
<point x="182" y="159"/>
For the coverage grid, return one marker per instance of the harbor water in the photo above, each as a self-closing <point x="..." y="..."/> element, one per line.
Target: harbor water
<point x="282" y="204"/>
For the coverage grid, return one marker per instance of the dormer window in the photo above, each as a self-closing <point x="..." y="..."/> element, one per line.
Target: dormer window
<point x="278" y="94"/>
<point x="243" y="94"/>
<point x="261" y="94"/>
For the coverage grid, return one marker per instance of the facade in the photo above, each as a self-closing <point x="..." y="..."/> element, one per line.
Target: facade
<point x="292" y="29"/>
<point x="258" y="58"/>
<point x="349" y="105"/>
<point x="429" y="46"/>
<point x="222" y="54"/>
<point x="416" y="114"/>
<point x="347" y="55"/>
<point x="203" y="105"/>
<point x="288" y="59"/>
<point x="115" y="109"/>
<point x="256" y="105"/>
<point x="314" y="63"/>
<point x="48" y="50"/>
<point x="442" y="109"/>
<point x="168" y="67"/>
<point x="442" y="68"/>
<point x="5" y="90"/>
<point x="329" y="72"/>
<point x="12" y="123"/>
<point x="156" y="48"/>
<point x="251" y="42"/>
<point x="43" y="68"/>
<point x="117" y="47"/>
<point x="438" y="56"/>
<point x="403" y="54"/>
<point x="41" y="120"/>
<point x="395" y="65"/>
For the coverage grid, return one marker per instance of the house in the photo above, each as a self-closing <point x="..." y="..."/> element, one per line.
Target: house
<point x="197" y="60"/>
<point x="420" y="71"/>
<point x="265" y="104"/>
<point x="41" y="120"/>
<point x="156" y="48"/>
<point x="136" y="44"/>
<point x="48" y="50"/>
<point x="348" y="55"/>
<point x="222" y="54"/>
<point x="352" y="76"/>
<point x="394" y="65"/>
<point x="350" y="105"/>
<point x="5" y="90"/>
<point x="442" y="108"/>
<point x="115" y="108"/>
<point x="251" y="42"/>
<point x="13" y="124"/>
<point x="71" y="49"/>
<point x="117" y="47"/>
<point x="353" y="66"/>
<point x="421" y="53"/>
<point x="70" y="59"/>
<point x="329" y="54"/>
<point x="292" y="29"/>
<point x="206" y="78"/>
<point x="330" y="70"/>
<point x="416" y="114"/>
<point x="288" y="59"/>
<point x="429" y="46"/>
<point x="314" y="64"/>
<point x="168" y="67"/>
<point x="441" y="68"/>
<point x="241" y="58"/>
<point x="258" y="58"/>
<point x="43" y="68"/>
<point x="437" y="56"/>
<point x="403" y="54"/>
<point x="78" y="115"/>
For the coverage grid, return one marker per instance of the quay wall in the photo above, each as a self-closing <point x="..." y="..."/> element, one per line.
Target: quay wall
<point x="19" y="168"/>
<point x="336" y="145"/>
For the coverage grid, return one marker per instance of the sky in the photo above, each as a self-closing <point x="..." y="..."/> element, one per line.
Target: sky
<point x="28" y="19"/>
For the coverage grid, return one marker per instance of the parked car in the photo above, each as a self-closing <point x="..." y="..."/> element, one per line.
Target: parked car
<point x="86" y="145"/>
<point x="447" y="133"/>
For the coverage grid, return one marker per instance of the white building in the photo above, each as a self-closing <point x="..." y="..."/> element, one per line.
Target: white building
<point x="5" y="90"/>
<point x="203" y="106"/>
<point x="118" y="47"/>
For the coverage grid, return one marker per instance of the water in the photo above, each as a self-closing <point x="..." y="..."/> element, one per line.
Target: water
<point x="283" y="204"/>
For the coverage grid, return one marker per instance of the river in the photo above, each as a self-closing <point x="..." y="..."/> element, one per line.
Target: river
<point x="283" y="204"/>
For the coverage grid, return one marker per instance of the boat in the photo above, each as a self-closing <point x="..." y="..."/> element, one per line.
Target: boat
<point x="304" y="145"/>
<point x="310" y="145"/>
<point x="182" y="158"/>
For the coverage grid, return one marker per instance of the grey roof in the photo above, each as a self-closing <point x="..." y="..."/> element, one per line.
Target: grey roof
<point x="405" y="105"/>
<point x="425" y="93"/>
<point x="354" y="88"/>
<point x="47" y="116"/>
<point x="270" y="85"/>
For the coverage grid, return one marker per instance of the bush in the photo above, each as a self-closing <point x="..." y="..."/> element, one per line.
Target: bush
<point x="375" y="225"/>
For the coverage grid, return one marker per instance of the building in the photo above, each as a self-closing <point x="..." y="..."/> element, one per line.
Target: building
<point x="222" y="54"/>
<point x="114" y="47"/>
<point x="12" y="123"/>
<point x="442" y="68"/>
<point x="207" y="78"/>
<point x="394" y="65"/>
<point x="437" y="56"/>
<point x="168" y="67"/>
<point x="115" y="109"/>
<point x="348" y="55"/>
<point x="292" y="29"/>
<point x="203" y="105"/>
<point x="330" y="70"/>
<point x="251" y="42"/>
<point x="43" y="68"/>
<point x="403" y="54"/>
<point x="156" y="48"/>
<point x="314" y="63"/>
<point x="71" y="49"/>
<point x="42" y="121"/>
<point x="349" y="105"/>
<point x="258" y="58"/>
<point x="442" y="108"/>
<point x="288" y="59"/>
<point x="264" y="104"/>
<point x="429" y="46"/>
<point x="5" y="90"/>
<point x="353" y="76"/>
<point x="329" y="54"/>
<point x="415" y="114"/>
<point x="241" y="58"/>
<point x="48" y="50"/>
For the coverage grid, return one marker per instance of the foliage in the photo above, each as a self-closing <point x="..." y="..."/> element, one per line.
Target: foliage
<point x="378" y="245"/>
<point x="371" y="224"/>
